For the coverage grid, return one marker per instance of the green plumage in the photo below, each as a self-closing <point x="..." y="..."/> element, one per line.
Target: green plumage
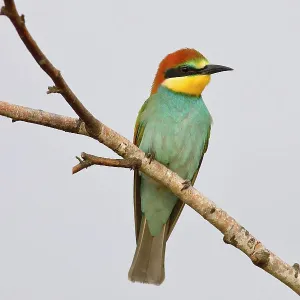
<point x="175" y="128"/>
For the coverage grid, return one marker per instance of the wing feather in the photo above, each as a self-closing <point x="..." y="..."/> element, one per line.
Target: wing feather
<point x="176" y="212"/>
<point x="137" y="138"/>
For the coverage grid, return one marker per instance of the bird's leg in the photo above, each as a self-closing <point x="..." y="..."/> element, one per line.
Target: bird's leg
<point x="151" y="156"/>
<point x="186" y="184"/>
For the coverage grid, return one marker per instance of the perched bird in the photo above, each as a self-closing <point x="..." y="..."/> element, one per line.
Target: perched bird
<point x="172" y="127"/>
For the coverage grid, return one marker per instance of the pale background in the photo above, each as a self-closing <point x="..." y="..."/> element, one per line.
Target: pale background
<point x="72" y="237"/>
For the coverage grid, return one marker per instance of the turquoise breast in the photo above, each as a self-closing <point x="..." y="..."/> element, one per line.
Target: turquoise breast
<point x="176" y="129"/>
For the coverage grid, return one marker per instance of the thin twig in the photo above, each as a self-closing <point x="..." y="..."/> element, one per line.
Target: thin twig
<point x="90" y="160"/>
<point x="234" y="233"/>
<point x="10" y="10"/>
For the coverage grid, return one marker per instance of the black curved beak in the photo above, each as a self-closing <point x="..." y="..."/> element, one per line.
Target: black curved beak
<point x="212" y="69"/>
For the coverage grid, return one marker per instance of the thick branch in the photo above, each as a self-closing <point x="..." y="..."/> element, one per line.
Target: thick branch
<point x="40" y="117"/>
<point x="90" y="160"/>
<point x="234" y="233"/>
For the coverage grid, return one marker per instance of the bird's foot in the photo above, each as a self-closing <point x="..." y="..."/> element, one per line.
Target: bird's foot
<point x="186" y="184"/>
<point x="151" y="157"/>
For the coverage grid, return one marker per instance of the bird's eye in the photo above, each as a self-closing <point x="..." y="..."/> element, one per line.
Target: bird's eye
<point x="184" y="69"/>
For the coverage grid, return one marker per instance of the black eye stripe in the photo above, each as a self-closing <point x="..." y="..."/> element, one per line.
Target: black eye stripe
<point x="180" y="72"/>
<point x="185" y="69"/>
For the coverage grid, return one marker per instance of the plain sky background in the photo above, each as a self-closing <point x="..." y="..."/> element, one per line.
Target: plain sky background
<point x="72" y="237"/>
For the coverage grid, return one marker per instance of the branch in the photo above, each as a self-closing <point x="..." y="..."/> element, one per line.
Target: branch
<point x="90" y="160"/>
<point x="234" y="233"/>
<point x="10" y="10"/>
<point x="40" y="117"/>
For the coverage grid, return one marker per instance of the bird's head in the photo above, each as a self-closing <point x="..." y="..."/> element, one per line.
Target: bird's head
<point x="185" y="71"/>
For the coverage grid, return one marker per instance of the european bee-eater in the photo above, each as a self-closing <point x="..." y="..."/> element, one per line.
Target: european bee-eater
<point x="173" y="127"/>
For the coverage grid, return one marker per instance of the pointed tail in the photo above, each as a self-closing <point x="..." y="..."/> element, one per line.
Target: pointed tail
<point x="148" y="265"/>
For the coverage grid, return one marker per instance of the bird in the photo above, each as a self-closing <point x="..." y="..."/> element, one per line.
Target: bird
<point x="173" y="127"/>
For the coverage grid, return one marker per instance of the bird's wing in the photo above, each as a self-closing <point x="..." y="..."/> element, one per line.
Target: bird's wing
<point x="138" y="135"/>
<point x="179" y="205"/>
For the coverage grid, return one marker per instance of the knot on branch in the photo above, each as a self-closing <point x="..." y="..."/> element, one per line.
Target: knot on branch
<point x="53" y="89"/>
<point x="239" y="237"/>
<point x="296" y="267"/>
<point x="230" y="237"/>
<point x="4" y="12"/>
<point x="121" y="149"/>
<point x="22" y="18"/>
<point x="209" y="211"/>
<point x="261" y="257"/>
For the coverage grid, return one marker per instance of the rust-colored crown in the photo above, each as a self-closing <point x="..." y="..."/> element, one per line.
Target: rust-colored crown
<point x="170" y="61"/>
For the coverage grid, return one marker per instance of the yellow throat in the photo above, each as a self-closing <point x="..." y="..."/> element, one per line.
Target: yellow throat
<point x="190" y="85"/>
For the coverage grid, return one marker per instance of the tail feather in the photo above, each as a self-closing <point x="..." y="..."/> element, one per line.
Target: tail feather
<point x="148" y="265"/>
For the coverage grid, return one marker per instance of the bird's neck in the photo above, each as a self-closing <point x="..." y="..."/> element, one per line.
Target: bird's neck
<point x="167" y="93"/>
<point x="189" y="85"/>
